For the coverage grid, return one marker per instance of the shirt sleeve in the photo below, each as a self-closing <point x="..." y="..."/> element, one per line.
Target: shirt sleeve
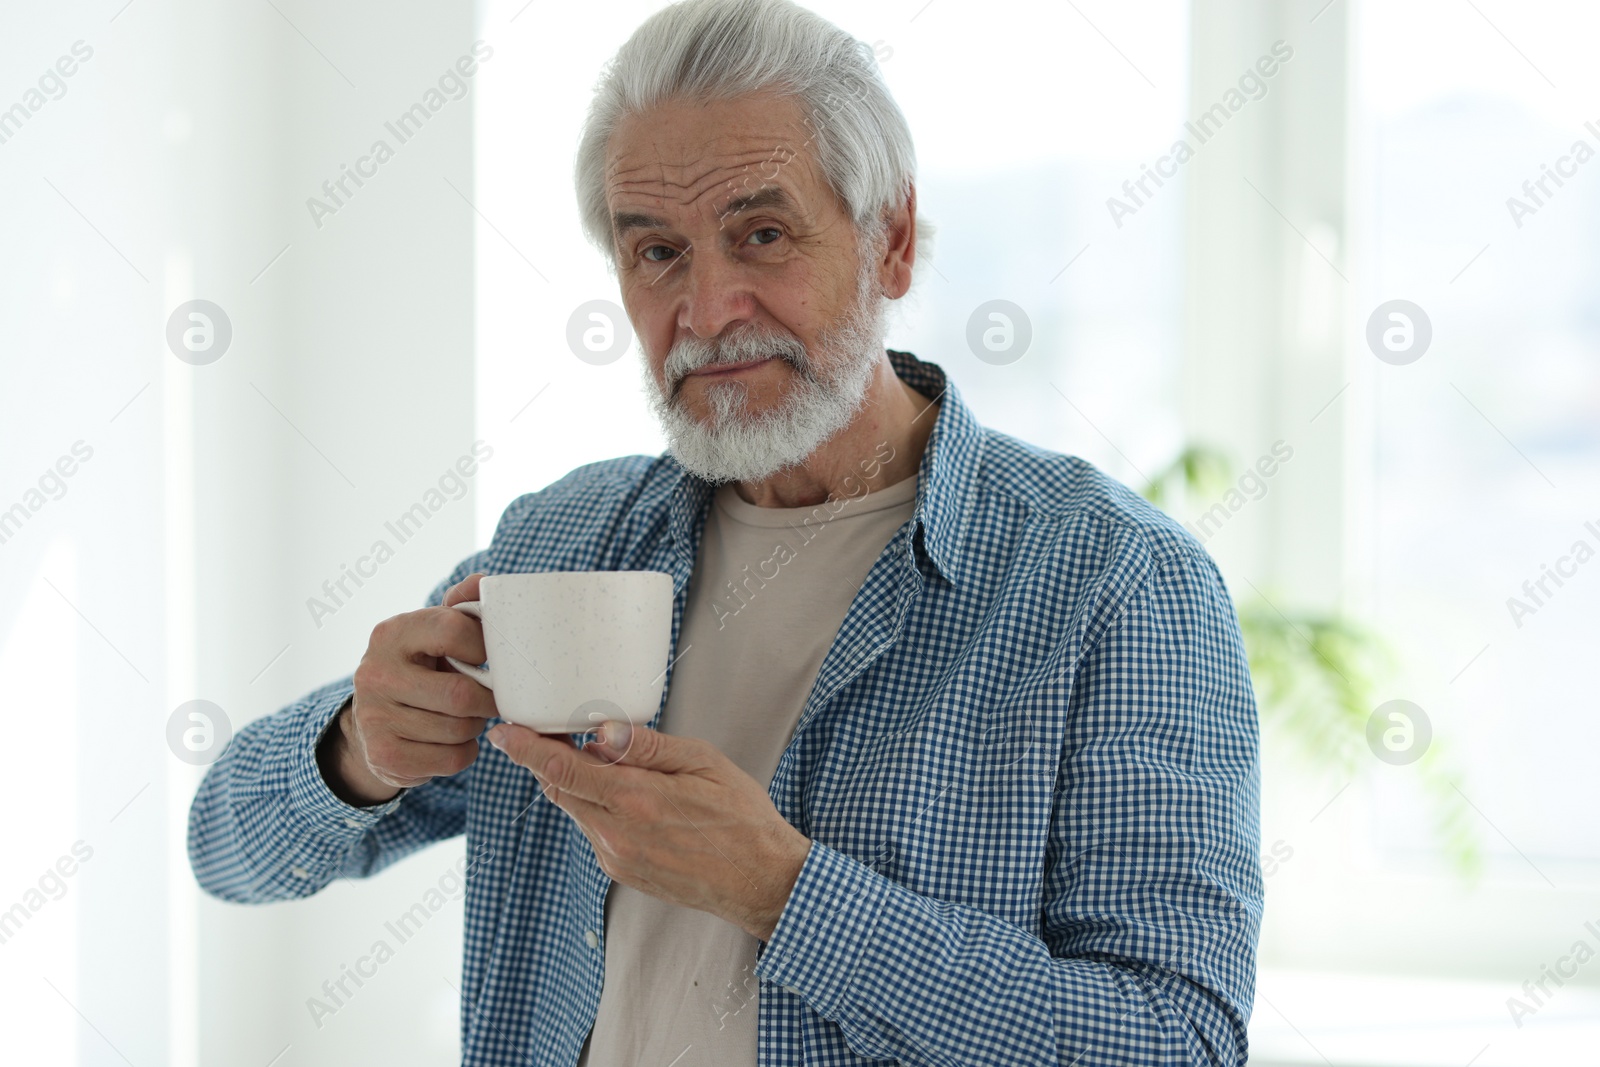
<point x="1152" y="888"/>
<point x="264" y="826"/>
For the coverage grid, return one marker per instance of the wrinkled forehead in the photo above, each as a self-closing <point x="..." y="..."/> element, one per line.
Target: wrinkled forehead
<point x="697" y="157"/>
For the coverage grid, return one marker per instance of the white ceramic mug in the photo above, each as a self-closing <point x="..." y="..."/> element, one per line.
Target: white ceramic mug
<point x="570" y="649"/>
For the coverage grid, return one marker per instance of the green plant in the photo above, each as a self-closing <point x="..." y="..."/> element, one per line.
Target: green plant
<point x="1317" y="676"/>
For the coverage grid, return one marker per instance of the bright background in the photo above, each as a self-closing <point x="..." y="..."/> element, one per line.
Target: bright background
<point x="431" y="310"/>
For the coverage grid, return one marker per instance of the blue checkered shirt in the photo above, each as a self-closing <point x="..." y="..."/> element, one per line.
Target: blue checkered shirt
<point x="1028" y="768"/>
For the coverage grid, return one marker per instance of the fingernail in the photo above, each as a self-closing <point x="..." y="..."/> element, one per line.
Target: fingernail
<point x="616" y="735"/>
<point x="497" y="738"/>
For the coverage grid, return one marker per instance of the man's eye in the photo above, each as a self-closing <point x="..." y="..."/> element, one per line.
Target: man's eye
<point x="656" y="248"/>
<point x="772" y="230"/>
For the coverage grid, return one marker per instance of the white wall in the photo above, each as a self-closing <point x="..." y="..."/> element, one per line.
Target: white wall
<point x="224" y="495"/>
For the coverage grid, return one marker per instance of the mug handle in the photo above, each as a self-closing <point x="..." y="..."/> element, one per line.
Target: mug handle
<point x="480" y="674"/>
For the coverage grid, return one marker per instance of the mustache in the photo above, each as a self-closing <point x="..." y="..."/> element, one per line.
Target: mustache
<point x="751" y="343"/>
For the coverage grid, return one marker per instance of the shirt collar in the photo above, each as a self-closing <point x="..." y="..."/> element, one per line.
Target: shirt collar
<point x="947" y="477"/>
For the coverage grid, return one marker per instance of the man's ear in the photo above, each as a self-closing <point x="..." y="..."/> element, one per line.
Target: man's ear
<point x="900" y="249"/>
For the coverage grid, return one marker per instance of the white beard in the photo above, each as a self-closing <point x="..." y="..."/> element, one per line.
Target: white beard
<point x="740" y="447"/>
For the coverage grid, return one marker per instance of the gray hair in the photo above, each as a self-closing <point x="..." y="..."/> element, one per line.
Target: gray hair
<point x="719" y="49"/>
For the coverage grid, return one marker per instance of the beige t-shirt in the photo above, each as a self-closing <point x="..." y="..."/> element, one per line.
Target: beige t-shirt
<point x="768" y="594"/>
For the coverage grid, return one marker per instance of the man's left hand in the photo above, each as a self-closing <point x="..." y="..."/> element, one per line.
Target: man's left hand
<point x="672" y="817"/>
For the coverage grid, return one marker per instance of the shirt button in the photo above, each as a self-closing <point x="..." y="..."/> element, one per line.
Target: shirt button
<point x="299" y="872"/>
<point x="592" y="938"/>
<point x="354" y="824"/>
<point x="791" y="989"/>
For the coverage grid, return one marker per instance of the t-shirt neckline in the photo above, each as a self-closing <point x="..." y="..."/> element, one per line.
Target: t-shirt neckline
<point x="835" y="508"/>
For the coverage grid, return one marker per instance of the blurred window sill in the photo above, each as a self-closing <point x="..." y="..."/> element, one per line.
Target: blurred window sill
<point x="1356" y="1020"/>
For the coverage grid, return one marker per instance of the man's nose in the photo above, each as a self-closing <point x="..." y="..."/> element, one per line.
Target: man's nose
<point x="718" y="294"/>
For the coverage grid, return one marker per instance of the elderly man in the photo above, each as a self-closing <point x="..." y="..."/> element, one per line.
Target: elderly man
<point x="957" y="759"/>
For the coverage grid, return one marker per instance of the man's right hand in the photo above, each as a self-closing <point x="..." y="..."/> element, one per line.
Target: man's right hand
<point x="413" y="716"/>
